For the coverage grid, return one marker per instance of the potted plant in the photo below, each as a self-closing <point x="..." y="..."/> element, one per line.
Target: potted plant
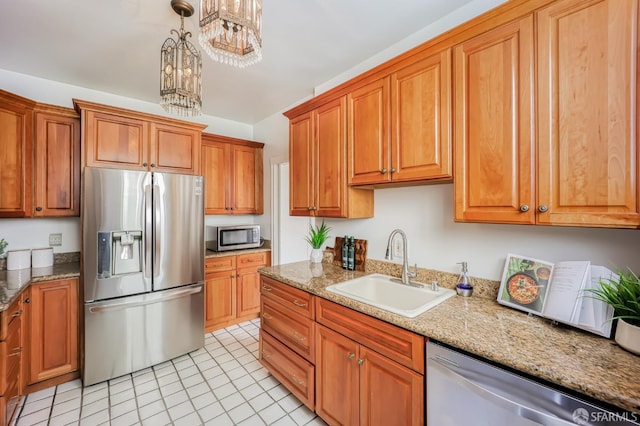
<point x="622" y="293"/>
<point x="3" y="245"/>
<point x="316" y="238"/>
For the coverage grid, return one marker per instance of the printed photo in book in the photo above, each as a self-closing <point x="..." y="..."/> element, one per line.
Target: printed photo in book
<point x="557" y="291"/>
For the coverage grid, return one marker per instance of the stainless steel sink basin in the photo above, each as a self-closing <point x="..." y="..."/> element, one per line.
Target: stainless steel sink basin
<point x="381" y="291"/>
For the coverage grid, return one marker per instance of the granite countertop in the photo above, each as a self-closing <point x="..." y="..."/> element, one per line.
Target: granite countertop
<point x="210" y="253"/>
<point x="12" y="283"/>
<point x="579" y="361"/>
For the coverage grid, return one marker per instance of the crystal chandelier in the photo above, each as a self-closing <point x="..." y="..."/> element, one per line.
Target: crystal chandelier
<point x="230" y="31"/>
<point x="181" y="70"/>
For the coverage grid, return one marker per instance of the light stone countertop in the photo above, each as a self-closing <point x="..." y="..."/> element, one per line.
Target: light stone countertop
<point x="573" y="359"/>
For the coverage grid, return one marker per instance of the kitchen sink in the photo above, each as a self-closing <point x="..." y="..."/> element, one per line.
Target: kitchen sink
<point x="382" y="291"/>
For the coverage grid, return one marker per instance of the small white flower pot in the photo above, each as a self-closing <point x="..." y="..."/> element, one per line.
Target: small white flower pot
<point x="628" y="337"/>
<point x="316" y="256"/>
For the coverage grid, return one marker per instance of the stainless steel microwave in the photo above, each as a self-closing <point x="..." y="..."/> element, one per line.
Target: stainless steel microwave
<point x="233" y="237"/>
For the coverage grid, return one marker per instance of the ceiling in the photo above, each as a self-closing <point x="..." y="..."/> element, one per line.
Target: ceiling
<point x="114" y="46"/>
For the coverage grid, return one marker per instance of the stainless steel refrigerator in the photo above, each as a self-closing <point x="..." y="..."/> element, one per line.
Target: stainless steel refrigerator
<point x="143" y="269"/>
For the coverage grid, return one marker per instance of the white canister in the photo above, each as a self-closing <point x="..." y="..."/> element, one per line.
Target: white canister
<point x="42" y="257"/>
<point x="18" y="259"/>
<point x="18" y="277"/>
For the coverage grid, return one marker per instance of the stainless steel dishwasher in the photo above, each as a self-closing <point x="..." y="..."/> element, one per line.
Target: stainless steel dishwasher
<point x="463" y="390"/>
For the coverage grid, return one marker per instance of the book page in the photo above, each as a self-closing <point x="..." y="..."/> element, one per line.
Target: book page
<point x="565" y="285"/>
<point x="595" y="315"/>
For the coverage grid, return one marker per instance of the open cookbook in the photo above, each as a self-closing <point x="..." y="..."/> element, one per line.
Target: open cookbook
<point x="557" y="291"/>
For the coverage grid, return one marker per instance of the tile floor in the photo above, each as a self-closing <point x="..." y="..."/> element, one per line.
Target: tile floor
<point x="220" y="384"/>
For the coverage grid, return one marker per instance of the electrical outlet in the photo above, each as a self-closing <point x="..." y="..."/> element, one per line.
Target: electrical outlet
<point x="397" y="248"/>
<point x="55" y="239"/>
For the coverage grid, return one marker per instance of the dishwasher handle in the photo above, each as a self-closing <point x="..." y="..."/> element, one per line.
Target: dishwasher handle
<point x="507" y="404"/>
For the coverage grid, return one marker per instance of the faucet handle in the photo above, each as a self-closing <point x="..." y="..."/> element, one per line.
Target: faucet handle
<point x="414" y="273"/>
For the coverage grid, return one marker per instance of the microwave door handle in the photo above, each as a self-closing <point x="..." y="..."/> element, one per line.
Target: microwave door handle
<point x="499" y="400"/>
<point x="157" y="234"/>
<point x="148" y="205"/>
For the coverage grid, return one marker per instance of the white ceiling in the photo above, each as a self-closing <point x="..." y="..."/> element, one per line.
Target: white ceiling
<point x="114" y="46"/>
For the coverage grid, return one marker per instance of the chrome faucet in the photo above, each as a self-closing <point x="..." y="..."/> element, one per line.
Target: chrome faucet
<point x="406" y="273"/>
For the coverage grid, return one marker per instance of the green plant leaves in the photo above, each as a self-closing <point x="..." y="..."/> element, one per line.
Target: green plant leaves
<point x="623" y="295"/>
<point x="318" y="235"/>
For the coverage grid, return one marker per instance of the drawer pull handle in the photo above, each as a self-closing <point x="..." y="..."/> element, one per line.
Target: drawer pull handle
<point x="266" y="288"/>
<point x="16" y="313"/>
<point x="266" y="355"/>
<point x="298" y="381"/>
<point x="360" y="361"/>
<point x="298" y="337"/>
<point x="298" y="303"/>
<point x="266" y="316"/>
<point x="351" y="355"/>
<point x="16" y="352"/>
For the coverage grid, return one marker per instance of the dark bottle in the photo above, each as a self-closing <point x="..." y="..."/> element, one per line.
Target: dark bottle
<point x="351" y="254"/>
<point x="345" y="252"/>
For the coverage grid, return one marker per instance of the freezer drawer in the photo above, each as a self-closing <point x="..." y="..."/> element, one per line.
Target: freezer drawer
<point x="127" y="334"/>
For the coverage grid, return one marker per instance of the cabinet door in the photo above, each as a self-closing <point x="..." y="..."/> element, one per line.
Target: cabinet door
<point x="494" y="117"/>
<point x="217" y="176"/>
<point x="53" y="329"/>
<point x="57" y="171"/>
<point x="220" y="298"/>
<point x="368" y="134"/>
<point x="248" y="282"/>
<point x="421" y="120"/>
<point x="174" y="149"/>
<point x="246" y="191"/>
<point x="330" y="151"/>
<point x="337" y="389"/>
<point x="301" y="176"/>
<point x="588" y="103"/>
<point x="16" y="164"/>
<point x="115" y="141"/>
<point x="389" y="393"/>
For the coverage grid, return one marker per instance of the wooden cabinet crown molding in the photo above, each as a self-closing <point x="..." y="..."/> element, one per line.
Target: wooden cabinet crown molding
<point x="506" y="12"/>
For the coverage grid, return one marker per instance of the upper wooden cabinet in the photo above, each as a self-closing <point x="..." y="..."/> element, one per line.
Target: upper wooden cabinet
<point x="233" y="173"/>
<point x="580" y="167"/>
<point x="16" y="155"/>
<point x="494" y="131"/>
<point x="39" y="159"/>
<point x="57" y="162"/>
<point x="588" y="113"/>
<point x="318" y="166"/>
<point x="124" y="139"/>
<point x="400" y="126"/>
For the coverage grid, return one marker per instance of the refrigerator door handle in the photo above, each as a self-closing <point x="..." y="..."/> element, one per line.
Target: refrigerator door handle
<point x="532" y="413"/>
<point x="148" y="205"/>
<point x="148" y="299"/>
<point x="157" y="230"/>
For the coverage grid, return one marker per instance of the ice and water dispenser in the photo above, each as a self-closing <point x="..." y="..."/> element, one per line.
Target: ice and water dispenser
<point x="119" y="253"/>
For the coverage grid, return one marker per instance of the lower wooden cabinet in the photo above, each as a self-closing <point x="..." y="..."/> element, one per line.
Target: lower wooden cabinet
<point x="51" y="329"/>
<point x="348" y="367"/>
<point x="232" y="289"/>
<point x="10" y="360"/>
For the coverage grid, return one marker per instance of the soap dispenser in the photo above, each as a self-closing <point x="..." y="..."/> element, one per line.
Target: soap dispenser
<point x="464" y="287"/>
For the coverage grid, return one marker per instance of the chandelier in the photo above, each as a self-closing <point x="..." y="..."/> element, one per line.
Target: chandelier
<point x="230" y="31"/>
<point x="181" y="69"/>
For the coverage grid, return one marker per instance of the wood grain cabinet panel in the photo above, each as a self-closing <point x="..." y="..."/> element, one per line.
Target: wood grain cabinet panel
<point x="494" y="133"/>
<point x="318" y="166"/>
<point x="588" y="111"/>
<point x="175" y="149"/>
<point x="57" y="162"/>
<point x="11" y="358"/>
<point x="233" y="173"/>
<point x="220" y="299"/>
<point x="16" y="155"/>
<point x="52" y="330"/>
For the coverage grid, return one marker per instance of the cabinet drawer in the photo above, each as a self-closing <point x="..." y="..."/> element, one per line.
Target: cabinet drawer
<point x="290" y="328"/>
<point x="252" y="260"/>
<point x="298" y="300"/>
<point x="9" y="315"/>
<point x="295" y="373"/>
<point x="217" y="264"/>
<point x="400" y="345"/>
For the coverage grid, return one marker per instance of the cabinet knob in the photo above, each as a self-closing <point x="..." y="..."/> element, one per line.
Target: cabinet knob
<point x="543" y="208"/>
<point x="393" y="170"/>
<point x="27" y="300"/>
<point x="360" y="361"/>
<point x="351" y="355"/>
<point x="524" y="208"/>
<point x="383" y="171"/>
<point x="38" y="209"/>
<point x="144" y="164"/>
<point x="153" y="165"/>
